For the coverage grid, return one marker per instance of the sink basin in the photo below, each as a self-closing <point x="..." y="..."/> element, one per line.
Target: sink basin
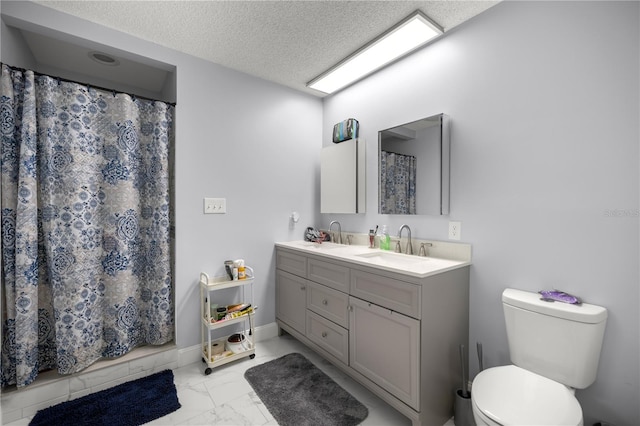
<point x="391" y="259"/>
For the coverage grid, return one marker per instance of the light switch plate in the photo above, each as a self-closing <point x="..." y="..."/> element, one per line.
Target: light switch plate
<point x="215" y="205"/>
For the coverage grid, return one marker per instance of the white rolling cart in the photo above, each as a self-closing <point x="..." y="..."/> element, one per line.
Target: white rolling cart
<point x="217" y="352"/>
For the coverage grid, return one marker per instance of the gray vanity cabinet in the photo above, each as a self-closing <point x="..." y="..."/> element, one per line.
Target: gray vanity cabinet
<point x="396" y="334"/>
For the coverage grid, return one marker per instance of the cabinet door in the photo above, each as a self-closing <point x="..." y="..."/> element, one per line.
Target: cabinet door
<point x="291" y="298"/>
<point x="384" y="346"/>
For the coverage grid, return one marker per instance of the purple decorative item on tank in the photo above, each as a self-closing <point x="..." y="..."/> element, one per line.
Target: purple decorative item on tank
<point x="560" y="296"/>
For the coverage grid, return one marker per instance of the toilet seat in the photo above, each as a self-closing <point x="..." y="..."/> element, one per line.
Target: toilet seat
<point x="510" y="395"/>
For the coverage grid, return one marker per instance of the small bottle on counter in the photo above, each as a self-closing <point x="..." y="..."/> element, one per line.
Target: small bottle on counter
<point x="385" y="239"/>
<point x="242" y="274"/>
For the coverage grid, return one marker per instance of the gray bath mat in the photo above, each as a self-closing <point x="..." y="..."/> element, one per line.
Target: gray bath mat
<point x="297" y="393"/>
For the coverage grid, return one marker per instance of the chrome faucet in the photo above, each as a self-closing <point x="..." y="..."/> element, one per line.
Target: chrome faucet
<point x="339" y="231"/>
<point x="409" y="246"/>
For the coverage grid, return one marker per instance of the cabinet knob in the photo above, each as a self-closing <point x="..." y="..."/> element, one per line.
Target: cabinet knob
<point x="324" y="334"/>
<point x="303" y="287"/>
<point x="325" y="302"/>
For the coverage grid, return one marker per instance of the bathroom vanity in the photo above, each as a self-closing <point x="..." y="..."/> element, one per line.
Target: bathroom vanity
<point x="393" y="322"/>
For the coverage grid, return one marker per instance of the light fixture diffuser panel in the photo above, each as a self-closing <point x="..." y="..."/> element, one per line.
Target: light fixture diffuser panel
<point x="407" y="36"/>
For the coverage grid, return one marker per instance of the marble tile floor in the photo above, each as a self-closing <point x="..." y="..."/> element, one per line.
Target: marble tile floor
<point x="225" y="398"/>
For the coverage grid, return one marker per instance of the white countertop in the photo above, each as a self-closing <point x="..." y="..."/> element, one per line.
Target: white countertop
<point x="410" y="265"/>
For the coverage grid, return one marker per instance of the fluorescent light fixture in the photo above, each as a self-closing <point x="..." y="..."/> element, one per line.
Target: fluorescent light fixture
<point x="403" y="38"/>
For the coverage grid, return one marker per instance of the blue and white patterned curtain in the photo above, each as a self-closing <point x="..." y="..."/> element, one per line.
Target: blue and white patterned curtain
<point x="86" y="260"/>
<point x="398" y="183"/>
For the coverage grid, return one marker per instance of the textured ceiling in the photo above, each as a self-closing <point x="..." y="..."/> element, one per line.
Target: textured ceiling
<point x="287" y="42"/>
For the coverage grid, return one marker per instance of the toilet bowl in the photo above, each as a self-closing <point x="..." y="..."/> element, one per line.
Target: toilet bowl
<point x="510" y="395"/>
<point x="555" y="348"/>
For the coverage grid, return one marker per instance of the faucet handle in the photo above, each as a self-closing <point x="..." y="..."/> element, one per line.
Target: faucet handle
<point x="398" y="248"/>
<point x="336" y="237"/>
<point x="423" y="249"/>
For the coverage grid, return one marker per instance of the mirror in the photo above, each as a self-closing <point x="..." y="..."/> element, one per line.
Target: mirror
<point x="413" y="167"/>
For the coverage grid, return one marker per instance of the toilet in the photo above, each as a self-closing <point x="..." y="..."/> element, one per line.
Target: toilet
<point x="555" y="349"/>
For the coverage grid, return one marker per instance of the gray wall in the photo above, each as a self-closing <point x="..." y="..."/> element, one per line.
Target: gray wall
<point x="251" y="141"/>
<point x="544" y="103"/>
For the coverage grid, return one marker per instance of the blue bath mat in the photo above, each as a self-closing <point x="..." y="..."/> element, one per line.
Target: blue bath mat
<point x="132" y="403"/>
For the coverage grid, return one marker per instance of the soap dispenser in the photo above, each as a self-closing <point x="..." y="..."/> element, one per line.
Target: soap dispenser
<point x="385" y="239"/>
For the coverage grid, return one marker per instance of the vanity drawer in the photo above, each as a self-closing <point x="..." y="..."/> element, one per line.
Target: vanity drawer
<point x="399" y="296"/>
<point x="291" y="262"/>
<point x="329" y="274"/>
<point x="329" y="303"/>
<point x="329" y="336"/>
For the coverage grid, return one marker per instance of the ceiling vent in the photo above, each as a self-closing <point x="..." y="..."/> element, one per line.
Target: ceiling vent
<point x="104" y="59"/>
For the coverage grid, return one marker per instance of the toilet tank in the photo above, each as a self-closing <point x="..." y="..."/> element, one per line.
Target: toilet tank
<point x="556" y="340"/>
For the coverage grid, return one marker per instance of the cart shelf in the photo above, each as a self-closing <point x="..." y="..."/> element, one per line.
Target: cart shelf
<point x="217" y="352"/>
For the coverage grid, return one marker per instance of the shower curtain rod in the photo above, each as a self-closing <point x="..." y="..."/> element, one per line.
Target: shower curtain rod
<point x="398" y="153"/>
<point x="134" y="96"/>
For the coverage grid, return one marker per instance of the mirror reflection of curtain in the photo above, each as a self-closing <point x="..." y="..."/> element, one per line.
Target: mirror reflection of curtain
<point x="86" y="263"/>
<point x="398" y="192"/>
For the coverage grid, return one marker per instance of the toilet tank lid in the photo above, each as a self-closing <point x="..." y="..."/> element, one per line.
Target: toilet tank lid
<point x="585" y="312"/>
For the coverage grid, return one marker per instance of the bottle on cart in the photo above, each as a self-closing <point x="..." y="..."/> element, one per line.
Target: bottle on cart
<point x="242" y="274"/>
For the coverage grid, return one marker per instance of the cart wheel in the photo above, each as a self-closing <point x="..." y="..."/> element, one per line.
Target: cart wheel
<point x="204" y="360"/>
<point x="252" y="356"/>
<point x="207" y="371"/>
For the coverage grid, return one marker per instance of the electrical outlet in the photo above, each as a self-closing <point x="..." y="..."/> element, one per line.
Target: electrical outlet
<point x="455" y="229"/>
<point x="215" y="205"/>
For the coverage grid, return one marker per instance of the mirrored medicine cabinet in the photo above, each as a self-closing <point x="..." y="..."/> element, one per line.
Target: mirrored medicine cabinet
<point x="413" y="167"/>
<point x="343" y="177"/>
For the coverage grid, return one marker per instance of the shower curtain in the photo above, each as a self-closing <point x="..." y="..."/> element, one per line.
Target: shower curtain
<point x="398" y="183"/>
<point x="86" y="262"/>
